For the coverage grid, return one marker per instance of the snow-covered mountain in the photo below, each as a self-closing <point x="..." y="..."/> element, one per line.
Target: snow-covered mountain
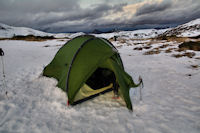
<point x="189" y="29"/>
<point x="136" y="34"/>
<point x="7" y="31"/>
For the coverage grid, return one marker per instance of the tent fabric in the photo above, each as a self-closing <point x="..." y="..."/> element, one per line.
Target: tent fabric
<point x="79" y="58"/>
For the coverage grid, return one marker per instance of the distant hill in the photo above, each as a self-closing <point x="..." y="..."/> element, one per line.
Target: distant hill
<point x="7" y="31"/>
<point x="96" y="31"/>
<point x="190" y="29"/>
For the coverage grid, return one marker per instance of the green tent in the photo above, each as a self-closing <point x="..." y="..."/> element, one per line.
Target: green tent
<point x="87" y="66"/>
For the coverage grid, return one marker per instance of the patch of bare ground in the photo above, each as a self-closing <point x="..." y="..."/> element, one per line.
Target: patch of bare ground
<point x="182" y="42"/>
<point x="122" y="40"/>
<point x="169" y="50"/>
<point x="30" y="38"/>
<point x="155" y="41"/>
<point x="139" y="39"/>
<point x="58" y="45"/>
<point x="137" y="43"/>
<point x="190" y="46"/>
<point x="63" y="40"/>
<point x="195" y="37"/>
<point x="198" y="58"/>
<point x="147" y="47"/>
<point x="111" y="39"/>
<point x="180" y="49"/>
<point x="138" y="48"/>
<point x="194" y="66"/>
<point x="173" y="38"/>
<point x="3" y="39"/>
<point x="164" y="46"/>
<point x="128" y="44"/>
<point x="151" y="52"/>
<point x="187" y="54"/>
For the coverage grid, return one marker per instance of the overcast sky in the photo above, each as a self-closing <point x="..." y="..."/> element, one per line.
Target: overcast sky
<point x="87" y="15"/>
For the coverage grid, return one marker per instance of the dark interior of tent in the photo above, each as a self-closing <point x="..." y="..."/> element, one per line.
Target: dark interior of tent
<point x="102" y="77"/>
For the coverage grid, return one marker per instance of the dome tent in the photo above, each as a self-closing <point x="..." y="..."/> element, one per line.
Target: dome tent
<point x="87" y="66"/>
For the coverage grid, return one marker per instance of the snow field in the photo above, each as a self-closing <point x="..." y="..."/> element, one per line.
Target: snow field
<point x="171" y="99"/>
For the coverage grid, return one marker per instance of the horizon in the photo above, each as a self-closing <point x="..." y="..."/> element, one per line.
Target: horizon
<point x="67" y="16"/>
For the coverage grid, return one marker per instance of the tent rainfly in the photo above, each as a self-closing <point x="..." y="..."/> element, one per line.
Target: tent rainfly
<point x="87" y="66"/>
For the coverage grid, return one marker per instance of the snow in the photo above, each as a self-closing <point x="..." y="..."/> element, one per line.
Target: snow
<point x="193" y="22"/>
<point x="61" y="35"/>
<point x="190" y="33"/>
<point x="137" y="34"/>
<point x="190" y="29"/>
<point x="76" y="34"/>
<point x="7" y="31"/>
<point x="68" y="35"/>
<point x="171" y="99"/>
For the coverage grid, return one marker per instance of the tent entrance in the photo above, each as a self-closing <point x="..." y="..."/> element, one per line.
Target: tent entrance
<point x="85" y="93"/>
<point x="101" y="81"/>
<point x="102" y="77"/>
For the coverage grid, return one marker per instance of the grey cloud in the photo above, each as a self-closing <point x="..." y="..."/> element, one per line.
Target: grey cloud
<point x="30" y="13"/>
<point x="87" y="16"/>
<point x="153" y="7"/>
<point x="36" y="6"/>
<point x="68" y="16"/>
<point x="43" y="14"/>
<point x="169" y="13"/>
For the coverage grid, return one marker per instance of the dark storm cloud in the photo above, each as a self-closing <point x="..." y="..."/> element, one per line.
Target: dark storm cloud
<point x="35" y="6"/>
<point x="153" y="15"/>
<point x="43" y="14"/>
<point x="31" y="12"/>
<point x="69" y="15"/>
<point x="168" y="13"/>
<point x="81" y="20"/>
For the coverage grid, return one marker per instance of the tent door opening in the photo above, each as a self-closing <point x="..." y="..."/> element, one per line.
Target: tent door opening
<point x="101" y="78"/>
<point x="101" y="81"/>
